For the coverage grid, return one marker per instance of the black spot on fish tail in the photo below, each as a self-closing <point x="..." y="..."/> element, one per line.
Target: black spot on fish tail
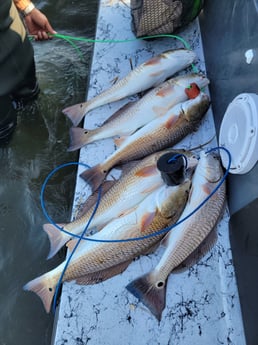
<point x="152" y="295"/>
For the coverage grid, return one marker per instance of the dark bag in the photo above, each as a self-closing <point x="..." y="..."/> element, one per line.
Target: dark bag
<point x="155" y="17"/>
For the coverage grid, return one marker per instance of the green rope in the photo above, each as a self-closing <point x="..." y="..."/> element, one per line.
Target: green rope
<point x="70" y="40"/>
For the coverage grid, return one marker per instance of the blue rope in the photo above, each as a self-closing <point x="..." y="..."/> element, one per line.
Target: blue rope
<point x="83" y="233"/>
<point x="167" y="229"/>
<point x="81" y="237"/>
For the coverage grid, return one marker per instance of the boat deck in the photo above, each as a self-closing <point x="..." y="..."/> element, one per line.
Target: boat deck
<point x="202" y="305"/>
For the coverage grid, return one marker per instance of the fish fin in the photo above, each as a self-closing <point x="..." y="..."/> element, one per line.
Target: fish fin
<point x="76" y="112"/>
<point x="46" y="293"/>
<point x="159" y="111"/>
<point x="79" y="137"/>
<point x="149" y="293"/>
<point x="171" y="121"/>
<point x="56" y="237"/>
<point x="147" y="171"/>
<point x="198" y="253"/>
<point x="99" y="276"/>
<point x="150" y="189"/>
<point x="146" y="220"/>
<point x="119" y="141"/>
<point x="92" y="199"/>
<point x="94" y="176"/>
<point x="125" y="212"/>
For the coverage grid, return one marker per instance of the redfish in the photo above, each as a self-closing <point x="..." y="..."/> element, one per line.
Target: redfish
<point x="154" y="104"/>
<point x="93" y="262"/>
<point x="135" y="184"/>
<point x="151" y="73"/>
<point x="185" y="238"/>
<point x="157" y="135"/>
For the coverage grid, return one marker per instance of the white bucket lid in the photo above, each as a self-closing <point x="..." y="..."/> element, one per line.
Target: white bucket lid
<point x="238" y="133"/>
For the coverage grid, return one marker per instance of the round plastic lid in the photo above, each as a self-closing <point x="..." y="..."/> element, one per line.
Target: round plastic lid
<point x="238" y="133"/>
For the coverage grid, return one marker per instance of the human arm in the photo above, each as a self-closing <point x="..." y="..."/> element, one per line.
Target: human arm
<point x="36" y="22"/>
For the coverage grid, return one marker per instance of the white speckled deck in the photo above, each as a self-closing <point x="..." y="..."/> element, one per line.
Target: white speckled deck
<point x="202" y="305"/>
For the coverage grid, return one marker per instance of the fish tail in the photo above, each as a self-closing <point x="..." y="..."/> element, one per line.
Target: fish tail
<point x="80" y="137"/>
<point x="76" y="112"/>
<point x="149" y="292"/>
<point x="43" y="289"/>
<point x="94" y="176"/>
<point x="57" y="238"/>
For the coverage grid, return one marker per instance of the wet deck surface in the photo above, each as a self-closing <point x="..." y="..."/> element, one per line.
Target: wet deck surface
<point x="202" y="303"/>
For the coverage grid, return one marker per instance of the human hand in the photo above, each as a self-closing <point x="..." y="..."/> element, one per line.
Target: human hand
<point x="38" y="25"/>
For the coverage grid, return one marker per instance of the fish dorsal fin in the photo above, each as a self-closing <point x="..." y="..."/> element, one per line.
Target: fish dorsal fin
<point x="146" y="220"/>
<point x="99" y="276"/>
<point x="92" y="199"/>
<point x="199" y="252"/>
<point x="119" y="112"/>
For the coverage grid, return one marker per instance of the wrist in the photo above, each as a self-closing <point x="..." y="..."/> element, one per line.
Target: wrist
<point x="27" y="10"/>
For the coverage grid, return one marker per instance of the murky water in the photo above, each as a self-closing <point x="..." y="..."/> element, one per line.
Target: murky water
<point x="38" y="146"/>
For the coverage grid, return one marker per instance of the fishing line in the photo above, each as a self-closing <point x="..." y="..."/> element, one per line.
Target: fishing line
<point x="81" y="237"/>
<point x="162" y="231"/>
<point x="84" y="231"/>
<point x="70" y="40"/>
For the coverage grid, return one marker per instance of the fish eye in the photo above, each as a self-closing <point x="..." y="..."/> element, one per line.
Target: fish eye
<point x="160" y="284"/>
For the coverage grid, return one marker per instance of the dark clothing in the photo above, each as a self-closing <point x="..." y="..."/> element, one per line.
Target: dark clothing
<point x="17" y="67"/>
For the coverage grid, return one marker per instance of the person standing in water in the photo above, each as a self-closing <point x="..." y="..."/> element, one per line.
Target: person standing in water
<point x="18" y="82"/>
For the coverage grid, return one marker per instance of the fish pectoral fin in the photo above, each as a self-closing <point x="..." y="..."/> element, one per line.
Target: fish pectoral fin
<point x="126" y="212"/>
<point x="198" y="253"/>
<point x="146" y="220"/>
<point x="99" y="276"/>
<point x="159" y="111"/>
<point x="119" y="141"/>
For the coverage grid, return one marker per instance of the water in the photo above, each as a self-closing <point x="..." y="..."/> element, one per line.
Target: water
<point x="38" y="146"/>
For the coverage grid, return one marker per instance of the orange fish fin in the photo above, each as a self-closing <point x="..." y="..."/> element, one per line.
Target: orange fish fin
<point x="76" y="112"/>
<point x="151" y="294"/>
<point x="153" y="61"/>
<point x="159" y="111"/>
<point x="207" y="244"/>
<point x="150" y="189"/>
<point x="207" y="188"/>
<point x="157" y="74"/>
<point x="56" y="237"/>
<point x="97" y="277"/>
<point x="46" y="293"/>
<point x="171" y="121"/>
<point x="94" y="176"/>
<point x="146" y="220"/>
<point x="147" y="171"/>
